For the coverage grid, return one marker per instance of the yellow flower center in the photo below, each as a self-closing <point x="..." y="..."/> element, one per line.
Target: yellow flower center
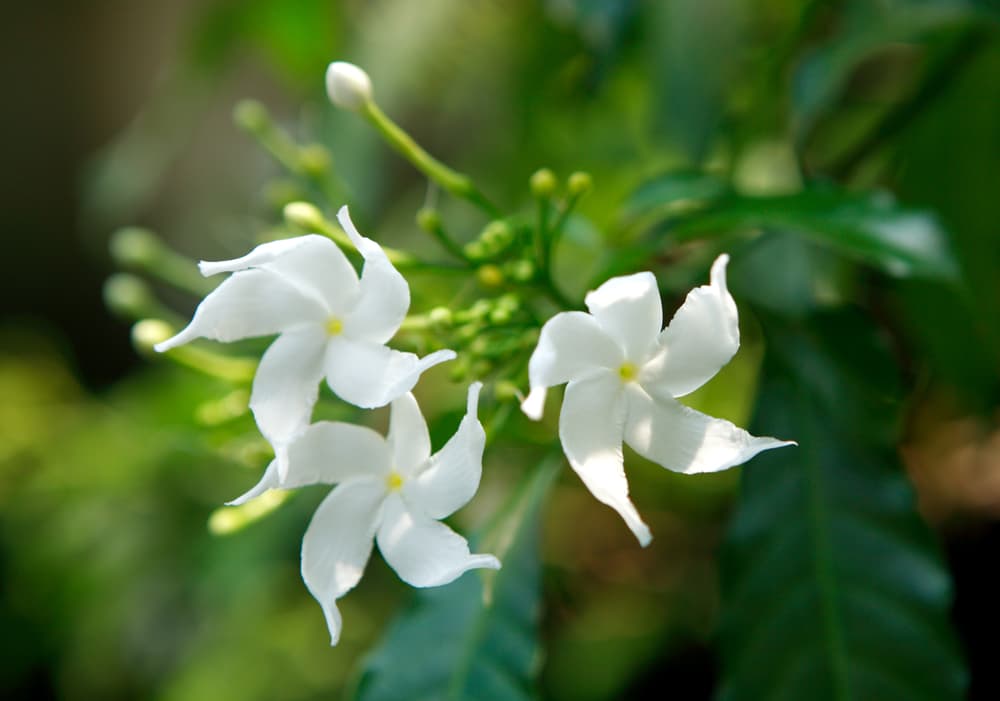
<point x="628" y="372"/>
<point x="334" y="326"/>
<point x="394" y="482"/>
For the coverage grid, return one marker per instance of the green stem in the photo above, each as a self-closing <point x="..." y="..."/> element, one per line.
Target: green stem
<point x="456" y="183"/>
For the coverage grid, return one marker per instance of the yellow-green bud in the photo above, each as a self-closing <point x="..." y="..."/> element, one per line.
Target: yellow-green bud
<point x="305" y="215"/>
<point x="315" y="159"/>
<point x="489" y="276"/>
<point x="520" y="270"/>
<point x="127" y="295"/>
<point x="543" y="183"/>
<point x="428" y="219"/>
<point x="148" y="332"/>
<point x="251" y="115"/>
<point x="579" y="183"/>
<point x="475" y="250"/>
<point x="134" y="246"/>
<point x="500" y="315"/>
<point x="440" y="316"/>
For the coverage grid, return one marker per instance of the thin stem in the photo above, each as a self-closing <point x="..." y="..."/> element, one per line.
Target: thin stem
<point x="456" y="183"/>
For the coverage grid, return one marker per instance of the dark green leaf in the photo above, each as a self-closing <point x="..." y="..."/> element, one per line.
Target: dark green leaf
<point x="871" y="228"/>
<point x="832" y="585"/>
<point x="476" y="638"/>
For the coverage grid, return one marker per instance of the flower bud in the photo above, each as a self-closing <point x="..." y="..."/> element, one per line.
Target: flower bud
<point x="315" y="159"/>
<point x="579" y="183"/>
<point x="489" y="276"/>
<point x="149" y="332"/>
<point x="128" y="295"/>
<point x="440" y="316"/>
<point x="134" y="246"/>
<point x="543" y="183"/>
<point x="348" y="86"/>
<point x="520" y="270"/>
<point x="304" y="214"/>
<point x="251" y="116"/>
<point x="428" y="219"/>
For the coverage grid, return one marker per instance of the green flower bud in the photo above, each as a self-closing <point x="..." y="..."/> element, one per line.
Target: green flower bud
<point x="500" y="315"/>
<point x="305" y="215"/>
<point x="251" y="116"/>
<point x="128" y="295"/>
<point x="148" y="332"/>
<point x="490" y="276"/>
<point x="579" y="183"/>
<point x="440" y="316"/>
<point x="315" y="160"/>
<point x="428" y="219"/>
<point x="133" y="246"/>
<point x="520" y="270"/>
<point x="543" y="183"/>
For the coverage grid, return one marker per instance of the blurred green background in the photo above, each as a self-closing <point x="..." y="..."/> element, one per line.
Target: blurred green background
<point x="117" y="113"/>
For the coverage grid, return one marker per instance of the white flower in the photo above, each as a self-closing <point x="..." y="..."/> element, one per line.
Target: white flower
<point x="348" y="86"/>
<point x="623" y="376"/>
<point x="330" y="324"/>
<point x="390" y="490"/>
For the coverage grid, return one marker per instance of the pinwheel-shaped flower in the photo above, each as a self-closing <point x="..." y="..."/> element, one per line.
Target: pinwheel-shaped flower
<point x="390" y="490"/>
<point x="330" y="323"/>
<point x="624" y="375"/>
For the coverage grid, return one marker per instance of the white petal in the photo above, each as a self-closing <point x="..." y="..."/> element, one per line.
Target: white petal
<point x="629" y="309"/>
<point x="702" y="337"/>
<point x="327" y="452"/>
<point x="591" y="425"/>
<point x="385" y="296"/>
<point x="424" y="552"/>
<point x="408" y="439"/>
<point x="451" y="477"/>
<point x="534" y="404"/>
<point x="250" y="303"/>
<point x="571" y="345"/>
<point x="311" y="263"/>
<point x="684" y="440"/>
<point x="338" y="543"/>
<point x="286" y="385"/>
<point x="370" y="375"/>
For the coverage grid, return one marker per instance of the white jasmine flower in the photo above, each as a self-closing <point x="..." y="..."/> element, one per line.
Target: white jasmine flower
<point x="348" y="86"/>
<point x="624" y="375"/>
<point x="330" y="324"/>
<point x="392" y="491"/>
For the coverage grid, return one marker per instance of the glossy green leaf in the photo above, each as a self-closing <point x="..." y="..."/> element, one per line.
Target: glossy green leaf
<point x="833" y="587"/>
<point x="476" y="638"/>
<point x="871" y="228"/>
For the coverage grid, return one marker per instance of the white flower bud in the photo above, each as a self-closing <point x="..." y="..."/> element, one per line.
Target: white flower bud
<point x="348" y="86"/>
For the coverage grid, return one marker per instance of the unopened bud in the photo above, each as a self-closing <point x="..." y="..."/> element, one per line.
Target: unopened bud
<point x="543" y="183"/>
<point x="579" y="183"/>
<point x="348" y="86"/>
<point x="440" y="316"/>
<point x="520" y="270"/>
<point x="305" y="215"/>
<point x="500" y="315"/>
<point x="127" y="295"/>
<point x="149" y="332"/>
<point x="489" y="275"/>
<point x="315" y="159"/>
<point x="251" y="116"/>
<point x="428" y="219"/>
<point x="134" y="246"/>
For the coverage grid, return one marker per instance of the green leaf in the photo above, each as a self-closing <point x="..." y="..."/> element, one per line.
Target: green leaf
<point x="833" y="587"/>
<point x="871" y="228"/>
<point x="476" y="638"/>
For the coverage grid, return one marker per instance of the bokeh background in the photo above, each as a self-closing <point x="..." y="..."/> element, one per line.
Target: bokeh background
<point x="112" y="584"/>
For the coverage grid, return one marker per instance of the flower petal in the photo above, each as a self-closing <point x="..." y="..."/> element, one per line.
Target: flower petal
<point x="571" y="345"/>
<point x="369" y="375"/>
<point x="424" y="552"/>
<point x="249" y="303"/>
<point x="451" y="477"/>
<point x="591" y="425"/>
<point x="684" y="440"/>
<point x="327" y="452"/>
<point x="702" y="337"/>
<point x="311" y="263"/>
<point x="385" y="296"/>
<point x="629" y="309"/>
<point x="338" y="543"/>
<point x="408" y="439"/>
<point x="286" y="385"/>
